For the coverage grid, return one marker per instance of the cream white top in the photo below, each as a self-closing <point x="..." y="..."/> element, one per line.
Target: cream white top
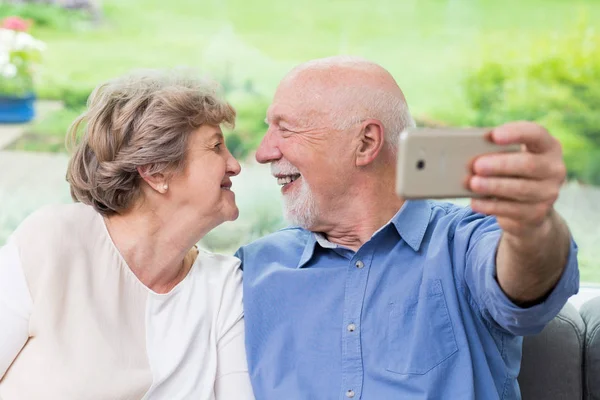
<point x="77" y="323"/>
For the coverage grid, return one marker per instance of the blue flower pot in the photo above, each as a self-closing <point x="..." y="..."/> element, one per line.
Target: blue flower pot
<point x="16" y="109"/>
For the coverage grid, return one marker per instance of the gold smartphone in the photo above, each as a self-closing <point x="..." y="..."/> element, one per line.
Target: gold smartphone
<point x="435" y="162"/>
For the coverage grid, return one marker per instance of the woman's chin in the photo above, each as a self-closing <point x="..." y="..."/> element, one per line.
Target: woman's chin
<point x="235" y="215"/>
<point x="232" y="214"/>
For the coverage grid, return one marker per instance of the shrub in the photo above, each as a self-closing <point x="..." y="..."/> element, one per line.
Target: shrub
<point x="559" y="88"/>
<point x="75" y="98"/>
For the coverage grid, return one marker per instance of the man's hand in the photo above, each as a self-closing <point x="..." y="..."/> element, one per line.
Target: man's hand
<point x="520" y="190"/>
<point x="522" y="186"/>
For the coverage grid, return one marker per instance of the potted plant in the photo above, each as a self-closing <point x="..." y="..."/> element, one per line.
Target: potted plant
<point x="19" y="54"/>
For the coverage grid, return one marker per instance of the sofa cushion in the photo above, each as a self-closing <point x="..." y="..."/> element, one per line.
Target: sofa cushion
<point x="551" y="367"/>
<point x="590" y="312"/>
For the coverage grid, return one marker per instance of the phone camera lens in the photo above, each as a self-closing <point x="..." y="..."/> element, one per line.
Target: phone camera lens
<point x="420" y="164"/>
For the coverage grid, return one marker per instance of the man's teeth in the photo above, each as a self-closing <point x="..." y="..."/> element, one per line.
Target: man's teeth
<point x="287" y="179"/>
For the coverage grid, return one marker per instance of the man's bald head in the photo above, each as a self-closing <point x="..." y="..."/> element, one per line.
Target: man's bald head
<point x="346" y="90"/>
<point x="339" y="69"/>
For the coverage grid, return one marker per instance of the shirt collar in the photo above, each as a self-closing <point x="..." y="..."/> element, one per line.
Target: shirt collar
<point x="309" y="249"/>
<point x="410" y="221"/>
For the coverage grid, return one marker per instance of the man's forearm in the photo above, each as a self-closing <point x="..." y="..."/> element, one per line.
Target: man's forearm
<point x="529" y="266"/>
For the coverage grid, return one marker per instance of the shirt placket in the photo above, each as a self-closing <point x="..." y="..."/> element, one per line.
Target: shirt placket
<point x="354" y="297"/>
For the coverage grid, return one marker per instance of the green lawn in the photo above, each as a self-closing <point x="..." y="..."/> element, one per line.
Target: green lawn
<point x="428" y="45"/>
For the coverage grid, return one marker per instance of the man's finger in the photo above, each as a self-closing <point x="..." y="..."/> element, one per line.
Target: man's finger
<point x="521" y="190"/>
<point x="524" y="213"/>
<point x="526" y="165"/>
<point x="535" y="137"/>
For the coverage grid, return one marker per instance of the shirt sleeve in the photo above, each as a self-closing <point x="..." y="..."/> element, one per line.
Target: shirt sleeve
<point x="15" y="306"/>
<point x="233" y="380"/>
<point x="477" y="238"/>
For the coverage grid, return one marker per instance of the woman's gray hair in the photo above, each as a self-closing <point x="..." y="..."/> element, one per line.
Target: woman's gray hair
<point x="141" y="119"/>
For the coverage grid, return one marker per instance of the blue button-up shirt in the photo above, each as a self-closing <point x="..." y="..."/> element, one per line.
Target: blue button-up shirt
<point x="415" y="313"/>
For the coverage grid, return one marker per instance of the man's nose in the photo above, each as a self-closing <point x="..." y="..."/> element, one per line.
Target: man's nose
<point x="268" y="150"/>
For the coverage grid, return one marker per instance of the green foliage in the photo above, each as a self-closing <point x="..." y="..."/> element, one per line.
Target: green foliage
<point x="485" y="91"/>
<point x="75" y="98"/>
<point x="250" y="126"/>
<point x="559" y="88"/>
<point x="19" y="85"/>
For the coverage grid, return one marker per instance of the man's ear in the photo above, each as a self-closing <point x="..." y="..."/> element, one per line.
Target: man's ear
<point x="157" y="181"/>
<point x="371" y="141"/>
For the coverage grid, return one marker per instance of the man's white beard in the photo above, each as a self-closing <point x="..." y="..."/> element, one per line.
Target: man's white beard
<point x="300" y="208"/>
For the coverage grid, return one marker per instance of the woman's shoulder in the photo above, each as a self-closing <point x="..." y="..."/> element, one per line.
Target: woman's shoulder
<point x="56" y="219"/>
<point x="220" y="269"/>
<point x="216" y="264"/>
<point x="57" y="229"/>
<point x="218" y="259"/>
<point x="53" y="239"/>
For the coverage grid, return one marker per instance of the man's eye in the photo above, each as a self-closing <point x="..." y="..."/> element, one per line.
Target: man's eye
<point x="218" y="146"/>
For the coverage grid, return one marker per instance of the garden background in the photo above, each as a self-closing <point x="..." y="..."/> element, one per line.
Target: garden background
<point x="459" y="62"/>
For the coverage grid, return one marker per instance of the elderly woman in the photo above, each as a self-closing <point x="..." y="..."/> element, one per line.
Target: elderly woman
<point x="109" y="298"/>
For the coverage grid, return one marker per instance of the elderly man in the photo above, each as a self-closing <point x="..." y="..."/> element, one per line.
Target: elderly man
<point x="374" y="297"/>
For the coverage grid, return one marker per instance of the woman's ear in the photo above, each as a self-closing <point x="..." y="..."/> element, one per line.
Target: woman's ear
<point x="371" y="141"/>
<point x="157" y="181"/>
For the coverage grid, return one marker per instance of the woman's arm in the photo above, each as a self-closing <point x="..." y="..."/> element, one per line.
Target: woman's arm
<point x="15" y="306"/>
<point x="232" y="380"/>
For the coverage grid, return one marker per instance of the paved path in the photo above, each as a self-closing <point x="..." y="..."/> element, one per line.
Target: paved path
<point x="10" y="133"/>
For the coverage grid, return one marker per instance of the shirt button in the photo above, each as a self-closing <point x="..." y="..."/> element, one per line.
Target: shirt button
<point x="359" y="264"/>
<point x="350" y="394"/>
<point x="351" y="328"/>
